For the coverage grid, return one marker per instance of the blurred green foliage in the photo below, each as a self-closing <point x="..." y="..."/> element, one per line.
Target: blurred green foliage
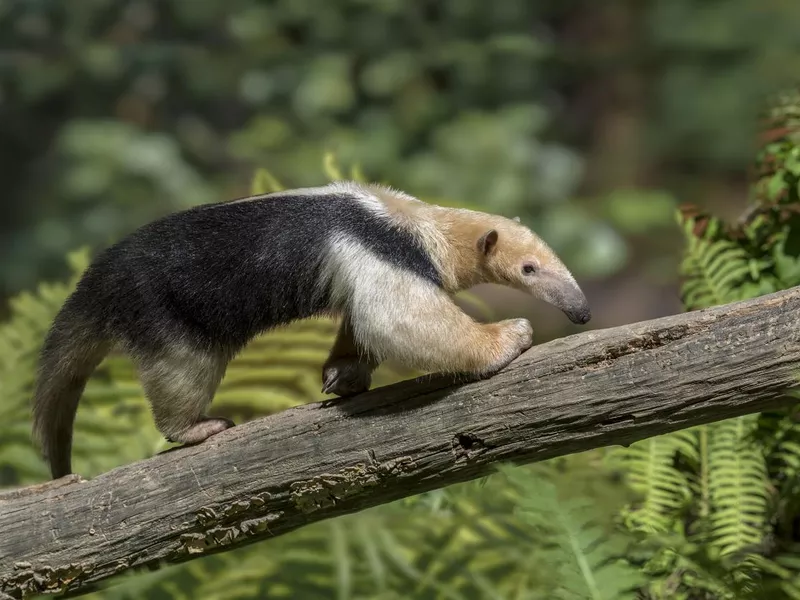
<point x="713" y="64"/>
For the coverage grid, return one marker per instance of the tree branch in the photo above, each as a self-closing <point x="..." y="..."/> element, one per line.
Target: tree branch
<point x="270" y="476"/>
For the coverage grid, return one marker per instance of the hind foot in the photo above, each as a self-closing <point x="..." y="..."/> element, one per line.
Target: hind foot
<point x="346" y="377"/>
<point x="201" y="431"/>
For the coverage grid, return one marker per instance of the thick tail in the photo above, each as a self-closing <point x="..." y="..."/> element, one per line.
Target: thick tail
<point x="71" y="352"/>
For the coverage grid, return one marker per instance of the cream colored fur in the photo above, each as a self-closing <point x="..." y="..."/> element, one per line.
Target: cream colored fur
<point x="180" y="384"/>
<point x="395" y="314"/>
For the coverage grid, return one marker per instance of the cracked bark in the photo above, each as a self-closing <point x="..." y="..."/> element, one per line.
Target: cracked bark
<point x="273" y="475"/>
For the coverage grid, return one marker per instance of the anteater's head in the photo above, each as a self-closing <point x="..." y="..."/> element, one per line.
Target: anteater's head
<point x="512" y="255"/>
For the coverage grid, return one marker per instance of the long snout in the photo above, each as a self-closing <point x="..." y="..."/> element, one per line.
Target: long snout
<point x="565" y="294"/>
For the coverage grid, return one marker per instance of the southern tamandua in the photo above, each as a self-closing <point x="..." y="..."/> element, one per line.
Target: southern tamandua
<point x="183" y="294"/>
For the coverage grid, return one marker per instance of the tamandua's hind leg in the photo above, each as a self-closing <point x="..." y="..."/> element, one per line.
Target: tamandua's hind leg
<point x="180" y="383"/>
<point x="348" y="370"/>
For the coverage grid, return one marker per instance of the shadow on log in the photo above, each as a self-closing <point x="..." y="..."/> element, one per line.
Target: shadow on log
<point x="273" y="475"/>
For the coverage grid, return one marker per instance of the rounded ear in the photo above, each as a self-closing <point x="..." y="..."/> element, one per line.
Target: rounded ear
<point x="516" y="219"/>
<point x="487" y="241"/>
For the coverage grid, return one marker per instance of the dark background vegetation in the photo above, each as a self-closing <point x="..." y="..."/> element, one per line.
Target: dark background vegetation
<point x="592" y="121"/>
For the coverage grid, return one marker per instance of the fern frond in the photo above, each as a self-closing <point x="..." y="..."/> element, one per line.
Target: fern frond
<point x="784" y="572"/>
<point x="738" y="486"/>
<point x="587" y="559"/>
<point x="650" y="473"/>
<point x="713" y="272"/>
<point x="777" y="432"/>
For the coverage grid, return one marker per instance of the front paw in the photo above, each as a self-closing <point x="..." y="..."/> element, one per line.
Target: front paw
<point x="515" y="337"/>
<point x="346" y="377"/>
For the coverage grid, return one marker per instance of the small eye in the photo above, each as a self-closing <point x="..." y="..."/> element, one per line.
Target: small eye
<point x="528" y="269"/>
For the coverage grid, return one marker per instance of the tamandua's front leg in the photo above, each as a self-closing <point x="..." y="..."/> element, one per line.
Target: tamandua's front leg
<point x="425" y="330"/>
<point x="446" y="340"/>
<point x="347" y="371"/>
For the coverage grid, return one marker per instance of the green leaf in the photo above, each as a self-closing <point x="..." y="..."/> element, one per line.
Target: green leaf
<point x="651" y="474"/>
<point x="738" y="486"/>
<point x="777" y="186"/>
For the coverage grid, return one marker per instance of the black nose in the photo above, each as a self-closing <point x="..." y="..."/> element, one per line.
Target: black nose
<point x="581" y="317"/>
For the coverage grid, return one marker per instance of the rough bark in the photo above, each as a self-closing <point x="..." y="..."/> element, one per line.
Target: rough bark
<point x="273" y="475"/>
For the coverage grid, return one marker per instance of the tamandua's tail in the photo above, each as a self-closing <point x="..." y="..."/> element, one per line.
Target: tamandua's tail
<point x="72" y="350"/>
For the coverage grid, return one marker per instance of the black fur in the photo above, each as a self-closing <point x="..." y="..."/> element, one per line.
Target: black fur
<point x="212" y="277"/>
